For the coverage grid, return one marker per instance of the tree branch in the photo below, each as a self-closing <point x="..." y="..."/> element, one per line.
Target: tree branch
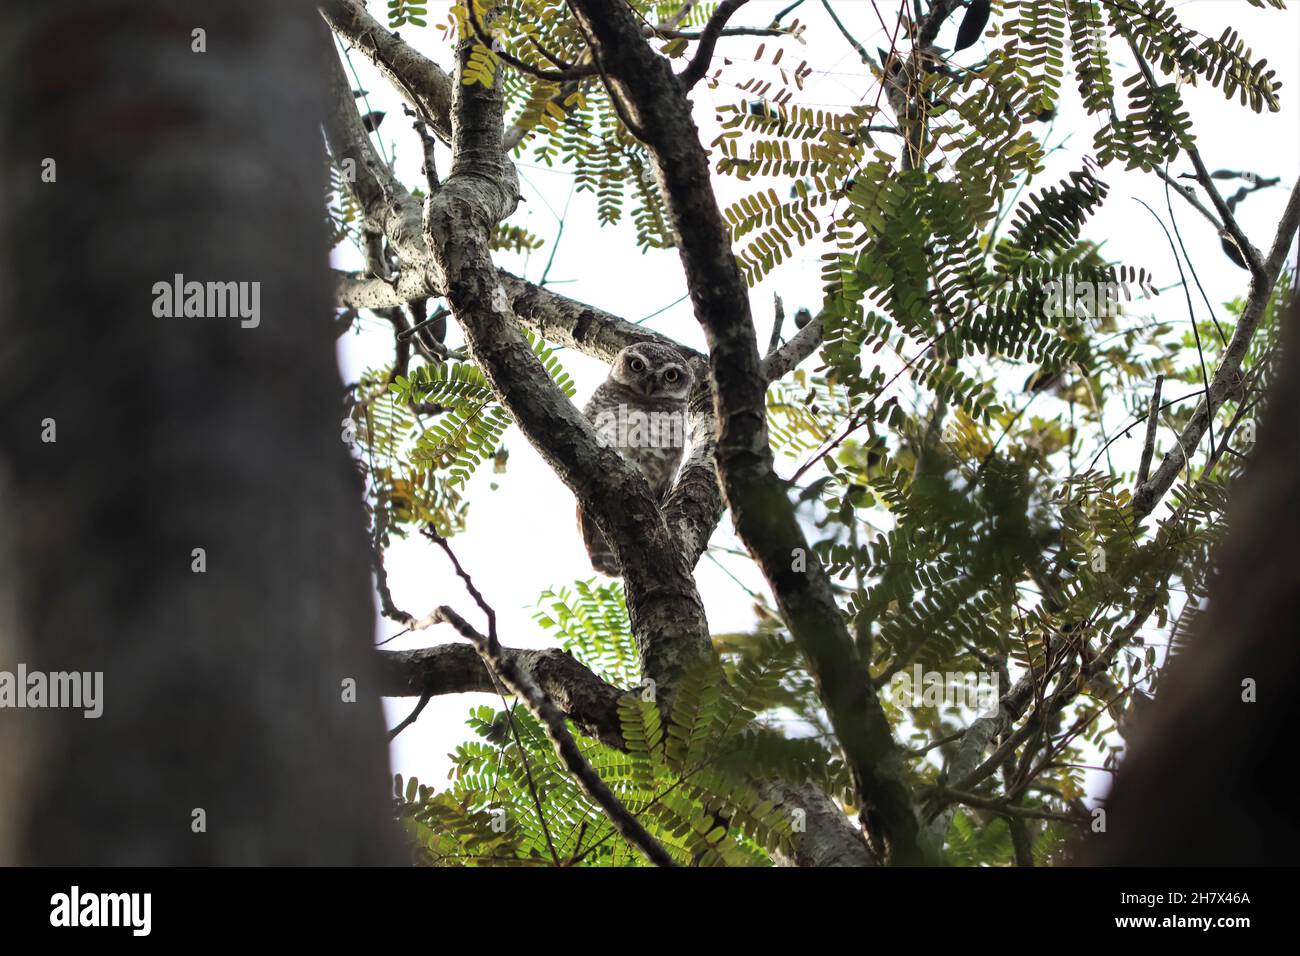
<point x="853" y="41"/>
<point x="424" y="84"/>
<point x="659" y="548"/>
<point x="386" y="205"/>
<point x="1149" y="444"/>
<point x="928" y="29"/>
<point x="522" y="686"/>
<point x="762" y="512"/>
<point x="699" y="64"/>
<point x="1189" y="193"/>
<point x="1248" y="251"/>
<point x="1150" y="492"/>
<point x="666" y="613"/>
<point x="803" y="344"/>
<point x="443" y="669"/>
<point x="694" y="506"/>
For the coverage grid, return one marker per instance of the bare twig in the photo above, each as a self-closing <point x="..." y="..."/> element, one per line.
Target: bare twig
<point x="1191" y="266"/>
<point x="1261" y="289"/>
<point x="853" y="41"/>
<point x="725" y="32"/>
<point x="1149" y="444"/>
<point x="432" y="534"/>
<point x="787" y="10"/>
<point x="801" y="345"/>
<point x="1248" y="251"/>
<point x="1189" y="193"/>
<point x="778" y="309"/>
<point x="1003" y="809"/>
<point x="1191" y="317"/>
<point x="410" y="718"/>
<point x="699" y="64"/>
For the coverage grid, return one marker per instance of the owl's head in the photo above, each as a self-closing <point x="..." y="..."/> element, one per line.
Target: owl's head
<point x="653" y="370"/>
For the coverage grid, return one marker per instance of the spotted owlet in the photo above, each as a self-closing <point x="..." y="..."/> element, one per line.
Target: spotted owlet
<point x="640" y="410"/>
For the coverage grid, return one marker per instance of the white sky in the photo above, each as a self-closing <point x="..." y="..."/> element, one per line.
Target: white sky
<point x="521" y="537"/>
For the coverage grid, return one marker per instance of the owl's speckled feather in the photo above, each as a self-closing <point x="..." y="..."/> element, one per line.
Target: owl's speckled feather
<point x="640" y="409"/>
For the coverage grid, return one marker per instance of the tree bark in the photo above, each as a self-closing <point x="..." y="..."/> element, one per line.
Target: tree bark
<point x="1205" y="782"/>
<point x="224" y="691"/>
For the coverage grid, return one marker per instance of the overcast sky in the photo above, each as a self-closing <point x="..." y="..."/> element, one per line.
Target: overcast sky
<point x="522" y="538"/>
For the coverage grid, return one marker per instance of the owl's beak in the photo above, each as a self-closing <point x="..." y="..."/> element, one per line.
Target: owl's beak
<point x="649" y="387"/>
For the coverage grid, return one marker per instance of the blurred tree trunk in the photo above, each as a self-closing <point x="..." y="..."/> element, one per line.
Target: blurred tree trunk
<point x="1206" y="782"/>
<point x="224" y="691"/>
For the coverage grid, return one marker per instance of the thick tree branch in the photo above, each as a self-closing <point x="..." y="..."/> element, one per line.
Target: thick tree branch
<point x="577" y="325"/>
<point x="592" y="704"/>
<point x="828" y="839"/>
<point x="386" y="205"/>
<point x="424" y="84"/>
<point x="762" y="512"/>
<point x="694" y="507"/>
<point x="660" y="549"/>
<point x="928" y="29"/>
<point x="664" y="606"/>
<point x="443" y="669"/>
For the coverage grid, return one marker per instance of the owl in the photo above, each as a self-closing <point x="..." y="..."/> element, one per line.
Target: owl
<point x="640" y="409"/>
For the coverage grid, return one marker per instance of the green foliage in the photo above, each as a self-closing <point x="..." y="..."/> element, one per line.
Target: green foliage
<point x="590" y="621"/>
<point x="1037" y="29"/>
<point x="968" y="524"/>
<point x="692" y="777"/>
<point x="481" y="67"/>
<point x="515" y="239"/>
<point x="402" y="12"/>
<point x="1153" y="29"/>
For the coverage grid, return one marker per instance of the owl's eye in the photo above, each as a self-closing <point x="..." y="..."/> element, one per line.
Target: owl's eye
<point x="636" y="365"/>
<point x="671" y="375"/>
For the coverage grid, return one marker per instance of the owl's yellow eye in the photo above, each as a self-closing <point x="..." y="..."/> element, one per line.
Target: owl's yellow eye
<point x="671" y="375"/>
<point x="637" y="365"/>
